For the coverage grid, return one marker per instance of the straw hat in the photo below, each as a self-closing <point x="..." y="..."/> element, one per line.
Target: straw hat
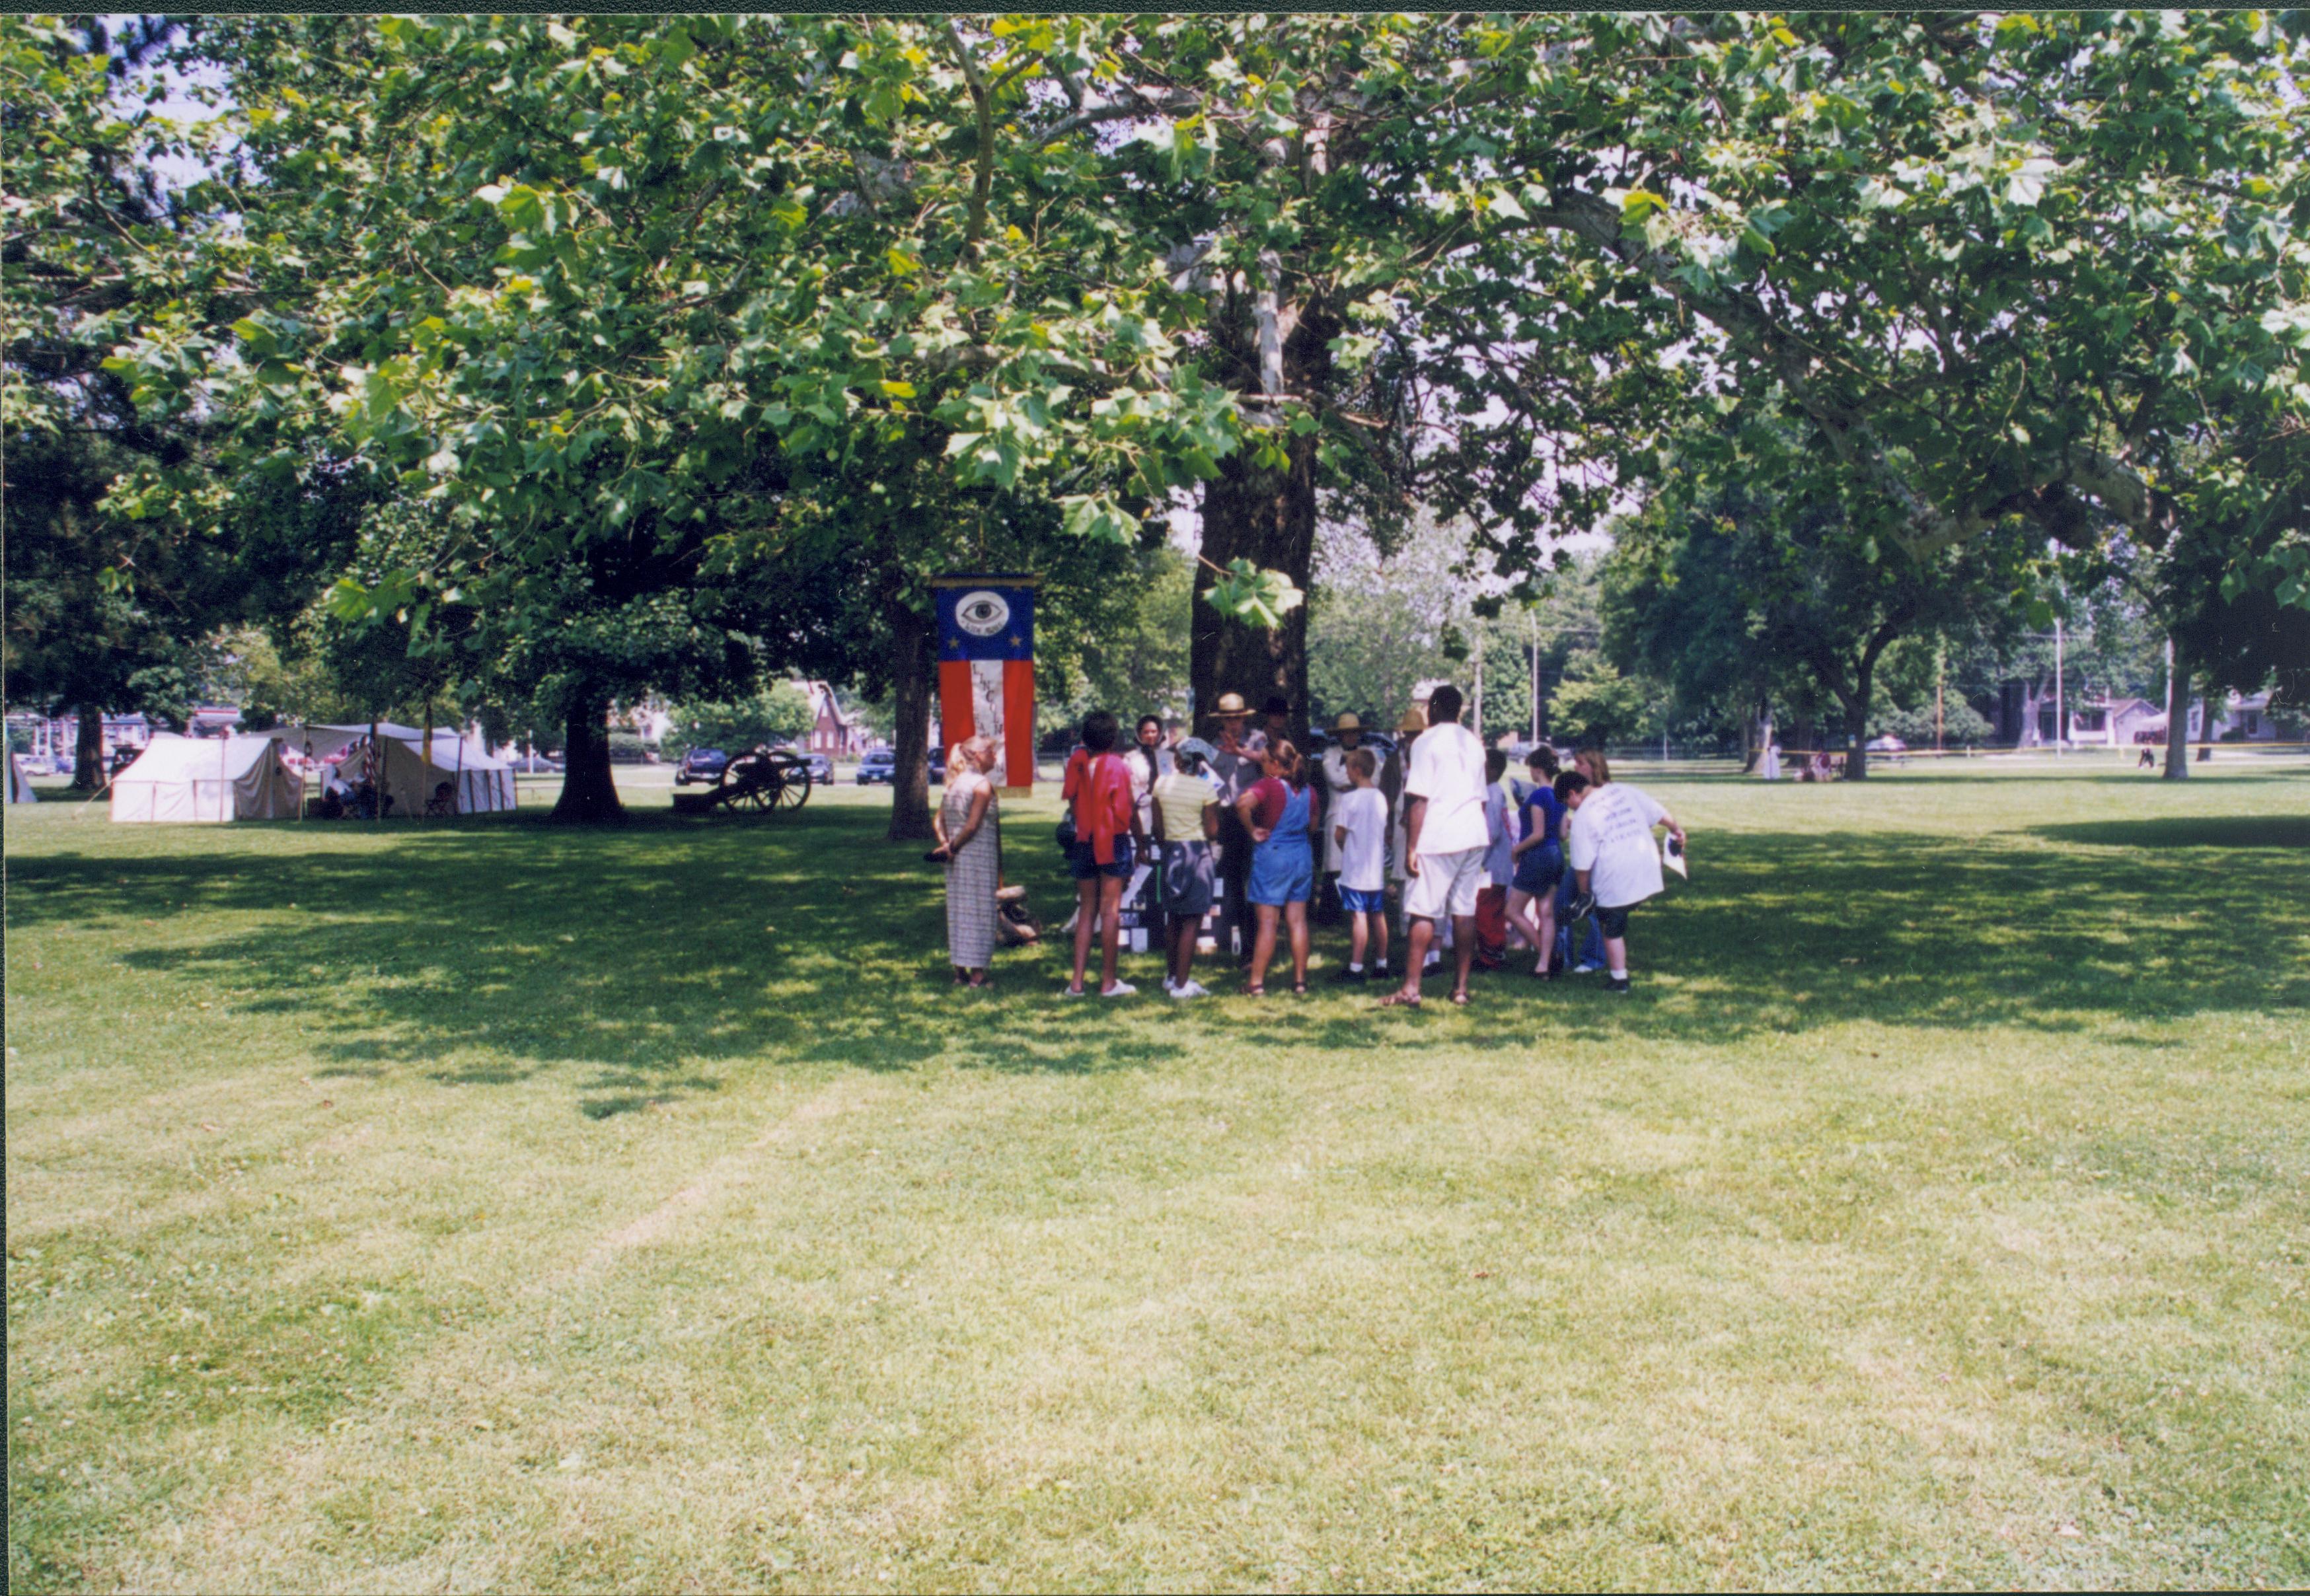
<point x="1415" y="719"/>
<point x="1347" y="721"/>
<point x="1231" y="707"/>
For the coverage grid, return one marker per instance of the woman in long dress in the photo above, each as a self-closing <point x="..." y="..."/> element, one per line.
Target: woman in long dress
<point x="968" y="827"/>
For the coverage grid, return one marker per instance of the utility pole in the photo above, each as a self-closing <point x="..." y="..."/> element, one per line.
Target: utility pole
<point x="1535" y="678"/>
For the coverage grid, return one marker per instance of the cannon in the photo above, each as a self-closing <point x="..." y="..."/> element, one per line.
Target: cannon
<point x="762" y="779"/>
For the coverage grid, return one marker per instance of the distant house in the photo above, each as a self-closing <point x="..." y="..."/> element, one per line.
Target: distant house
<point x="2117" y="723"/>
<point x="2246" y="718"/>
<point x="835" y="731"/>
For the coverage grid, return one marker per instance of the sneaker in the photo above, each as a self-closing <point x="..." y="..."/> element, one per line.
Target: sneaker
<point x="1189" y="989"/>
<point x="1074" y="992"/>
<point x="1616" y="984"/>
<point x="1587" y="966"/>
<point x="1168" y="983"/>
<point x="1380" y="970"/>
<point x="1352" y="978"/>
<point x="1120" y="989"/>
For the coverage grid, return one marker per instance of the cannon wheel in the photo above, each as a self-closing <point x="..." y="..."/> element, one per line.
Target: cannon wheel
<point x="791" y="789"/>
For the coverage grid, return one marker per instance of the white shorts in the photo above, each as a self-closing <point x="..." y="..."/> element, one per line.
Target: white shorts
<point x="1446" y="885"/>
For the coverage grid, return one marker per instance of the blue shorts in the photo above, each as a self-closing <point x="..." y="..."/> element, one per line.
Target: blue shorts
<point x="1537" y="870"/>
<point x="1083" y="860"/>
<point x="1281" y="875"/>
<point x="1363" y="903"/>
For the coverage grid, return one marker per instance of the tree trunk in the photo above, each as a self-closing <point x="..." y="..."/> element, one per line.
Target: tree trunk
<point x="912" y="667"/>
<point x="1268" y="517"/>
<point x="588" y="793"/>
<point x="2177" y="718"/>
<point x="88" y="749"/>
<point x="1856" y="715"/>
<point x="1265" y="515"/>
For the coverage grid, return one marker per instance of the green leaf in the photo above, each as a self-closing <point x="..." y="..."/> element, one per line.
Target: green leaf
<point x="1253" y="595"/>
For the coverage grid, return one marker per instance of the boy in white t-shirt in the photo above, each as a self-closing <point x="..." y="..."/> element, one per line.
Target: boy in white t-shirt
<point x="1615" y="863"/>
<point x="1359" y="831"/>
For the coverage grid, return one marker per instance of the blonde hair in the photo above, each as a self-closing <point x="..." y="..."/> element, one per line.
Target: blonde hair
<point x="964" y="754"/>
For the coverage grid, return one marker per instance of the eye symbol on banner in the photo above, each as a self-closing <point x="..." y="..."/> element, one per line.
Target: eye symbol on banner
<point x="982" y="613"/>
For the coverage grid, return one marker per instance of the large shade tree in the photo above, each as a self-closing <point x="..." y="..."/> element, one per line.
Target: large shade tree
<point x="585" y="284"/>
<point x="1988" y="263"/>
<point x="102" y="611"/>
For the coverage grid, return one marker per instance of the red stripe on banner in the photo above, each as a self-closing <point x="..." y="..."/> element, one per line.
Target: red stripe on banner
<point x="956" y="724"/>
<point x="1019" y="724"/>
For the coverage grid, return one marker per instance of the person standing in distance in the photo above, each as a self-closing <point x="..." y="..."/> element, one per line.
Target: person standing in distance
<point x="1188" y="822"/>
<point x="1234" y="765"/>
<point x="1446" y="839"/>
<point x="1098" y="787"/>
<point x="1347" y="736"/>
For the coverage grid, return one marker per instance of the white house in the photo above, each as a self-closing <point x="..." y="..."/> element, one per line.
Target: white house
<point x="2247" y="716"/>
<point x="2117" y="723"/>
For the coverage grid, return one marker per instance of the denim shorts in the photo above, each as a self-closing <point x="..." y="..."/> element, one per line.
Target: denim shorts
<point x="1363" y="903"/>
<point x="1539" y="869"/>
<point x="1083" y="860"/>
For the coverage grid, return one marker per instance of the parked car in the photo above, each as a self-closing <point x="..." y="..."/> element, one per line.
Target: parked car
<point x="532" y="764"/>
<point x="701" y="764"/>
<point x="880" y="767"/>
<point x="822" y="770"/>
<point x="1887" y="744"/>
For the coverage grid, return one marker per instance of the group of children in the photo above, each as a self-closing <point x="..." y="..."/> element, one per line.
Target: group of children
<point x="1463" y="847"/>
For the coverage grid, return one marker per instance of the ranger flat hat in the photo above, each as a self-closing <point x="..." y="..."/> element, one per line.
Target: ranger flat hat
<point x="1415" y="719"/>
<point x="1231" y="704"/>
<point x="1347" y="721"/>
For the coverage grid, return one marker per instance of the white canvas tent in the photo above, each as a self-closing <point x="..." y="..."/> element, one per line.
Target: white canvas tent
<point x="20" y="785"/>
<point x="482" y="785"/>
<point x="207" y="778"/>
<point x="323" y="741"/>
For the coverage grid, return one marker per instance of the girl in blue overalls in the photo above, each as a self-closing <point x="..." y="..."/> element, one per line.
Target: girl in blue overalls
<point x="1281" y="816"/>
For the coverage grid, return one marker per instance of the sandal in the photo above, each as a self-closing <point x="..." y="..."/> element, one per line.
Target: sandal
<point x="1249" y="991"/>
<point x="1299" y="989"/>
<point x="1459" y="1000"/>
<point x="1396" y="1000"/>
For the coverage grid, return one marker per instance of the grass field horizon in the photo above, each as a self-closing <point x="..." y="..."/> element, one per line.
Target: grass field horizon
<point x="488" y="1204"/>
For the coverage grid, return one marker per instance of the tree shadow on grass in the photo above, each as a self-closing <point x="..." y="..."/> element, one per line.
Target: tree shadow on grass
<point x="643" y="963"/>
<point x="2186" y="832"/>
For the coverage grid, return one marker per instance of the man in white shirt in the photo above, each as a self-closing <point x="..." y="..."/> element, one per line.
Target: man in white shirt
<point x="1445" y="841"/>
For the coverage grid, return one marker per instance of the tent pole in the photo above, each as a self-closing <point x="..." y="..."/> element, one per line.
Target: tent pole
<point x="375" y="776"/>
<point x="425" y="765"/>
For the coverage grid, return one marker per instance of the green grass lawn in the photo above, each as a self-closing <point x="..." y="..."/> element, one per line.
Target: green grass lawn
<point x="484" y="1205"/>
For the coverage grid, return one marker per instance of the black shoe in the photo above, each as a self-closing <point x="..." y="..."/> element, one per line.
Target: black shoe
<point x="1348" y="977"/>
<point x="1380" y="970"/>
<point x="1616" y="984"/>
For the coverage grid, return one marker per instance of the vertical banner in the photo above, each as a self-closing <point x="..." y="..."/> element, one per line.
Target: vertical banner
<point x="987" y="671"/>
